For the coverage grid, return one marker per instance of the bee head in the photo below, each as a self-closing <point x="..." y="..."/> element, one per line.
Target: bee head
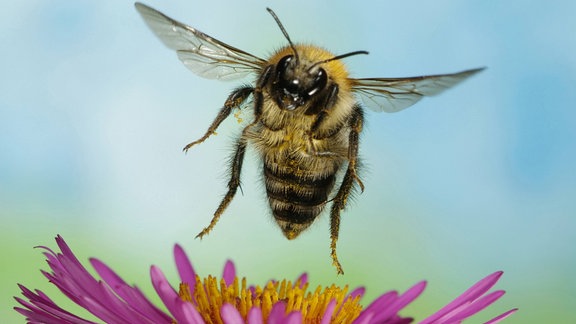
<point x="296" y="83"/>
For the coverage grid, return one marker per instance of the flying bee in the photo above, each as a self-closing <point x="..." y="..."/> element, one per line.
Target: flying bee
<point x="306" y="121"/>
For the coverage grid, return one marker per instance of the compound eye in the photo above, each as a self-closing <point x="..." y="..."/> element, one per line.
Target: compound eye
<point x="285" y="75"/>
<point x="283" y="64"/>
<point x="319" y="82"/>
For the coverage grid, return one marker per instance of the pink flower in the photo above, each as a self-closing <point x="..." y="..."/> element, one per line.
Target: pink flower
<point x="228" y="300"/>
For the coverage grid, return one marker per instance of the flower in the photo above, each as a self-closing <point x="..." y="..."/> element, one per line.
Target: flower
<point x="228" y="300"/>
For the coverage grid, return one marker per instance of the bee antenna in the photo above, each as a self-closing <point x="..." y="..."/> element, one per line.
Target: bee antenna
<point x="283" y="32"/>
<point x="341" y="56"/>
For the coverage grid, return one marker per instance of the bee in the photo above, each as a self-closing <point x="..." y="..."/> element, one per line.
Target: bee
<point x="307" y="118"/>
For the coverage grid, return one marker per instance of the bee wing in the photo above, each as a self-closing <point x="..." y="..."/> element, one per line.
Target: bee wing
<point x="395" y="94"/>
<point x="202" y="54"/>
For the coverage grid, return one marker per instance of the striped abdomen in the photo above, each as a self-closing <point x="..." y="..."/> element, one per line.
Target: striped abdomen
<point x="298" y="187"/>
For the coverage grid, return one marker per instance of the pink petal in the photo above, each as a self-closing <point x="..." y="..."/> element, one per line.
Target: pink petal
<point x="43" y="309"/>
<point x="184" y="266"/>
<point x="110" y="308"/>
<point x="294" y="317"/>
<point x="501" y="317"/>
<point x="111" y="300"/>
<point x="365" y="319"/>
<point x="357" y="292"/>
<point x="132" y="295"/>
<point x="303" y="279"/>
<point x="105" y="313"/>
<point x="108" y="275"/>
<point x="472" y="293"/>
<point x="255" y="316"/>
<point x="190" y="315"/>
<point x="166" y="293"/>
<point x="277" y="313"/>
<point x="406" y="298"/>
<point x="229" y="273"/>
<point x="230" y="314"/>
<point x="477" y="306"/>
<point x="327" y="317"/>
<point x="379" y="305"/>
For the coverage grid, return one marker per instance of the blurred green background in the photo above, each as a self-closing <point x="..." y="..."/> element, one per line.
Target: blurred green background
<point x="94" y="112"/>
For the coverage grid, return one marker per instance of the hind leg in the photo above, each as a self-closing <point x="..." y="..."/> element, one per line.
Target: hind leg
<point x="339" y="202"/>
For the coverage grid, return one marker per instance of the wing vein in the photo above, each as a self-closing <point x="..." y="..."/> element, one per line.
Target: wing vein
<point x="395" y="94"/>
<point x="202" y="54"/>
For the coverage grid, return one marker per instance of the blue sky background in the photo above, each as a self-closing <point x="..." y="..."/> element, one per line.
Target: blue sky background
<point x="94" y="112"/>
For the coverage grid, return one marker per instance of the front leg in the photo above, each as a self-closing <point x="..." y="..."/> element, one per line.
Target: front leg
<point x="322" y="109"/>
<point x="326" y="106"/>
<point x="236" y="98"/>
<point x="339" y="202"/>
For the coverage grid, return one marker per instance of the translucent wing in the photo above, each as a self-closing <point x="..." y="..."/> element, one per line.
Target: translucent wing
<point x="395" y="94"/>
<point x="202" y="54"/>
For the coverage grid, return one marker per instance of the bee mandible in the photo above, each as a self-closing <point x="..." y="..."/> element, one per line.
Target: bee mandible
<point x="306" y="122"/>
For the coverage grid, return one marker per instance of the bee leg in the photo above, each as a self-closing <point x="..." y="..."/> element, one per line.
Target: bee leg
<point x="322" y="110"/>
<point x="339" y="202"/>
<point x="356" y="124"/>
<point x="233" y="185"/>
<point x="236" y="98"/>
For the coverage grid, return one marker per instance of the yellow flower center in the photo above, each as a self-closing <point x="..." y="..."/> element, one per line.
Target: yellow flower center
<point x="210" y="294"/>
